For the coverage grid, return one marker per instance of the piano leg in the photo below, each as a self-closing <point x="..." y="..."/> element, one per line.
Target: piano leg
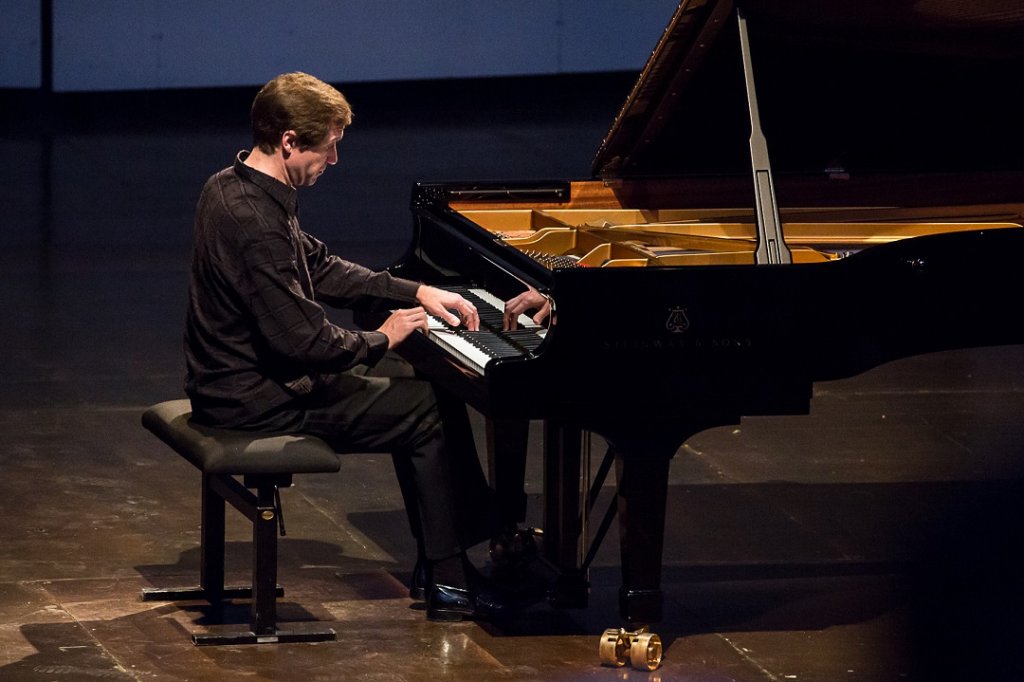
<point x="641" y="501"/>
<point x="641" y="495"/>
<point x="642" y="468"/>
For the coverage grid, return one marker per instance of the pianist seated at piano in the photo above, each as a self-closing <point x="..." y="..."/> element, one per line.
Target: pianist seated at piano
<point x="263" y="356"/>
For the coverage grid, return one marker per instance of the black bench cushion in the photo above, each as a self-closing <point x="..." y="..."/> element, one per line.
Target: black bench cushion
<point x="222" y="451"/>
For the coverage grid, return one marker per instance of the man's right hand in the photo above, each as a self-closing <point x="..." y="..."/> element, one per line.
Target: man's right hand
<point x="402" y="323"/>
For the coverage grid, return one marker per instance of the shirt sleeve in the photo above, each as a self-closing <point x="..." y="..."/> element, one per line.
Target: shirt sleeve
<point x="344" y="284"/>
<point x="293" y="325"/>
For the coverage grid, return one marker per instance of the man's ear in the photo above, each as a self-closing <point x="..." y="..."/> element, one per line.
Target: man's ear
<point x="289" y="141"/>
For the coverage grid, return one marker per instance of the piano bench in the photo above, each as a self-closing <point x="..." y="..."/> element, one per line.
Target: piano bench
<point x="265" y="463"/>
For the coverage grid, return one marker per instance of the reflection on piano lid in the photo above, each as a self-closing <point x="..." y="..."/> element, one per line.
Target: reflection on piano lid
<point x="477" y="349"/>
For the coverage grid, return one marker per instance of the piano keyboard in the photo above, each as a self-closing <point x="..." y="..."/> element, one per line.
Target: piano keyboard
<point x="477" y="349"/>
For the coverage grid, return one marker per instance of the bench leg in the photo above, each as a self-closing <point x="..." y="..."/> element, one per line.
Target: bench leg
<point x="262" y="510"/>
<point x="263" y="615"/>
<point x="211" y="555"/>
<point x="211" y="549"/>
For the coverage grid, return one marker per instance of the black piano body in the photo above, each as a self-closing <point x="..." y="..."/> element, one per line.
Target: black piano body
<point x="666" y="323"/>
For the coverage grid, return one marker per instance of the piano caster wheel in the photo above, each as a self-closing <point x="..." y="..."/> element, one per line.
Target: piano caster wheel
<point x="645" y="653"/>
<point x="640" y="647"/>
<point x="613" y="649"/>
<point x="515" y="546"/>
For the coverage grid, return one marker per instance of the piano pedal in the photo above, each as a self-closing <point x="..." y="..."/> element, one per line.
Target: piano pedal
<point x="514" y="547"/>
<point x="640" y="647"/>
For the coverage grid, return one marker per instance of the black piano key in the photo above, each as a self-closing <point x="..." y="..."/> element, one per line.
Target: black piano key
<point x="492" y="344"/>
<point x="528" y="339"/>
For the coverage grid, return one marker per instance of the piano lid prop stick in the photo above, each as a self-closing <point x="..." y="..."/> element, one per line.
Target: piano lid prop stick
<point x="771" y="245"/>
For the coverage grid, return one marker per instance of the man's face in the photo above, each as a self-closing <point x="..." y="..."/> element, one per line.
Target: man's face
<point x="306" y="164"/>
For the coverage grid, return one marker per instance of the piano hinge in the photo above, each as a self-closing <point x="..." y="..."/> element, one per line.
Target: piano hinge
<point x="424" y="195"/>
<point x="541" y="193"/>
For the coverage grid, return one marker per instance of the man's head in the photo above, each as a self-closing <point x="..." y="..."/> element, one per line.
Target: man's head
<point x="299" y="103"/>
<point x="297" y="122"/>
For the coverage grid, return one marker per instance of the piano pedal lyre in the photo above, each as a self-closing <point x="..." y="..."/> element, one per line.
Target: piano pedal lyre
<point x="640" y="647"/>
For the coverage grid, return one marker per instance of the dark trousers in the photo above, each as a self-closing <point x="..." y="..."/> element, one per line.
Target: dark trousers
<point x="387" y="409"/>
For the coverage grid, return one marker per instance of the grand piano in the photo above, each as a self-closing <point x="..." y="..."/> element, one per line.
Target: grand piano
<point x="693" y="282"/>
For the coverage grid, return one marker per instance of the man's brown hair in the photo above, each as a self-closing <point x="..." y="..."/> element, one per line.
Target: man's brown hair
<point x="299" y="102"/>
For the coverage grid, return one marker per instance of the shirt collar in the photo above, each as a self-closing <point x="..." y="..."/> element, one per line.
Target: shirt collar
<point x="287" y="196"/>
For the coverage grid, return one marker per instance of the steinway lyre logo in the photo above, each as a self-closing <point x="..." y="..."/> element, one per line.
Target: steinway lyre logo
<point x="677" y="322"/>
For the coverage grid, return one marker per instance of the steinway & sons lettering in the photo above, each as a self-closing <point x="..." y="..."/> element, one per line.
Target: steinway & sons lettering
<point x="721" y="343"/>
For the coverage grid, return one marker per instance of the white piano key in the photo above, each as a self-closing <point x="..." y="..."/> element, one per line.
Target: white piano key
<point x="498" y="304"/>
<point x="465" y="351"/>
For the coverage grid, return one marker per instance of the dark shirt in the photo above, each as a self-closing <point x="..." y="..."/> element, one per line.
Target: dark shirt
<point x="256" y="334"/>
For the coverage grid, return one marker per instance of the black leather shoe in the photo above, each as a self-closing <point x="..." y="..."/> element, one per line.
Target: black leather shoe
<point x="420" y="580"/>
<point x="446" y="603"/>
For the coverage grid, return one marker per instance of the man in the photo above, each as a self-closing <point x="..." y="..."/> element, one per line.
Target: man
<point x="261" y="354"/>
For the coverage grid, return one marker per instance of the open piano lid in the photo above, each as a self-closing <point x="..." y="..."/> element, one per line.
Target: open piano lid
<point x="872" y="86"/>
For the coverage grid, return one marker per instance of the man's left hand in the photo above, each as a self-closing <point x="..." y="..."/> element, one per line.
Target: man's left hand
<point x="441" y="303"/>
